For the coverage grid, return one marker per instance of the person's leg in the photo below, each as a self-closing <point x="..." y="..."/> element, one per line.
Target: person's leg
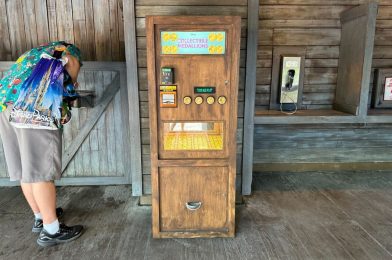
<point x="44" y="194"/>
<point x="41" y="163"/>
<point x="28" y="193"/>
<point x="27" y="189"/>
<point x="53" y="232"/>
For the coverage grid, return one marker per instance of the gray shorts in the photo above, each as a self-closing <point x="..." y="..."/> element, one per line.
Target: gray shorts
<point x="32" y="155"/>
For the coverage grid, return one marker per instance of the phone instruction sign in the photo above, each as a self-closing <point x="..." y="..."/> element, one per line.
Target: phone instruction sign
<point x="193" y="42"/>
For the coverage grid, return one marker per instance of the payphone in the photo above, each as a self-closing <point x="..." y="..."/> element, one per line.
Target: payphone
<point x="193" y="72"/>
<point x="289" y="82"/>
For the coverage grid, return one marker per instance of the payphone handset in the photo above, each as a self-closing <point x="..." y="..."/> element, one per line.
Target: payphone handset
<point x="289" y="83"/>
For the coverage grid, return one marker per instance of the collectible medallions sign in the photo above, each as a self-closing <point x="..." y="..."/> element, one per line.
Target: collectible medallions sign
<point x="193" y="42"/>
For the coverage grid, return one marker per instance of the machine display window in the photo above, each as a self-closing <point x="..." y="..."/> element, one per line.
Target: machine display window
<point x="193" y="136"/>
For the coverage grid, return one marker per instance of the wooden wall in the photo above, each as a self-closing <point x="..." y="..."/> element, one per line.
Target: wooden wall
<point x="96" y="26"/>
<point x="181" y="7"/>
<point x="315" y="25"/>
<point x="329" y="147"/>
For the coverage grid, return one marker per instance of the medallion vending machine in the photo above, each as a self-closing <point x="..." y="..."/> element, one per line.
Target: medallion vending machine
<point x="193" y="74"/>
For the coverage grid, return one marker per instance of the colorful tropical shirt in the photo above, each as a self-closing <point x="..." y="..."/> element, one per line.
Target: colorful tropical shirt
<point x="12" y="79"/>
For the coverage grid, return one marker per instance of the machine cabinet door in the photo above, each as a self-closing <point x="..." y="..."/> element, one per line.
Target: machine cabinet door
<point x="193" y="199"/>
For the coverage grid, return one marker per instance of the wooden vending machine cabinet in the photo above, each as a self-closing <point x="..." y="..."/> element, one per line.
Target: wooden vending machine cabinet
<point x="193" y="72"/>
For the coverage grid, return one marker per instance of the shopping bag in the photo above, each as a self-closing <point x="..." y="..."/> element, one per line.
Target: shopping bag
<point x="39" y="105"/>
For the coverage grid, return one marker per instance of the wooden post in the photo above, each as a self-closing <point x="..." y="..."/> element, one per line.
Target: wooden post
<point x="133" y="97"/>
<point x="250" y="92"/>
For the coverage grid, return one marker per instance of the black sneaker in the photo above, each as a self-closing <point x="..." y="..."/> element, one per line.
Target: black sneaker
<point x="38" y="224"/>
<point x="64" y="235"/>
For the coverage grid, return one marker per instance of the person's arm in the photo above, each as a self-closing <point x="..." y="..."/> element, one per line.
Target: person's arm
<point x="73" y="67"/>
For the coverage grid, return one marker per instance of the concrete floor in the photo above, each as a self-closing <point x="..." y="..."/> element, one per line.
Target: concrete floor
<point x="317" y="215"/>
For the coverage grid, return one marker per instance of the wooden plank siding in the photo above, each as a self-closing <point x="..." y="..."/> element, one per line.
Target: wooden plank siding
<point x="315" y="25"/>
<point x="328" y="147"/>
<point x="303" y="145"/>
<point x="189" y="7"/>
<point x="94" y="26"/>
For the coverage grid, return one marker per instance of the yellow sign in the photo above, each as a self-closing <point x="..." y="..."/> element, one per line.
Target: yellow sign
<point x="168" y="88"/>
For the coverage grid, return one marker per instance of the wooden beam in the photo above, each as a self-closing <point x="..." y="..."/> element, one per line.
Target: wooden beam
<point x="372" y="9"/>
<point x="96" y="113"/>
<point x="260" y="168"/>
<point x="75" y="181"/>
<point x="87" y="65"/>
<point x="133" y="97"/>
<point x="289" y="120"/>
<point x="250" y="93"/>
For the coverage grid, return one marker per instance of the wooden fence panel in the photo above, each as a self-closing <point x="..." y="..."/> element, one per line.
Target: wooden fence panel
<point x="103" y="152"/>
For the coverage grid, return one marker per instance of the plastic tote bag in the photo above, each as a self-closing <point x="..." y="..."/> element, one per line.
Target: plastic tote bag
<point x="39" y="103"/>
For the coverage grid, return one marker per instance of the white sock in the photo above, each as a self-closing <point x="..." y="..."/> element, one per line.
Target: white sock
<point x="38" y="215"/>
<point x="53" y="227"/>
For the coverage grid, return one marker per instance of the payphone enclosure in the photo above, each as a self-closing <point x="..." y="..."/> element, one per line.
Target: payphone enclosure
<point x="193" y="72"/>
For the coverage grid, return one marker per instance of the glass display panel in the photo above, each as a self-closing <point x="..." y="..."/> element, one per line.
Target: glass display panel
<point x="193" y="136"/>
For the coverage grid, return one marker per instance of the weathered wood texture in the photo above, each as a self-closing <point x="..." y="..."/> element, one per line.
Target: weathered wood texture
<point x="135" y="155"/>
<point x="185" y="172"/>
<point x="303" y="143"/>
<point x="320" y="215"/>
<point x="95" y="26"/>
<point x="356" y="52"/>
<point x="102" y="152"/>
<point x="250" y="93"/>
<point x="316" y="26"/>
<point x="189" y="7"/>
<point x="319" y="146"/>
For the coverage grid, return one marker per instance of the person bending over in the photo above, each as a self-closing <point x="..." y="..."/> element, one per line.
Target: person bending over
<point x="33" y="156"/>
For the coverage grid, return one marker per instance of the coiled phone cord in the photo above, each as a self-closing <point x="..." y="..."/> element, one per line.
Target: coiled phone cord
<point x="295" y="104"/>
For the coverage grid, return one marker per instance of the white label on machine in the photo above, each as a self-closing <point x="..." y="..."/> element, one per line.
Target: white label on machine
<point x="388" y="89"/>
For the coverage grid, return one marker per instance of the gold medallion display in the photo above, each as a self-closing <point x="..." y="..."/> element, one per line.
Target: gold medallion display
<point x="222" y="100"/>
<point x="210" y="100"/>
<point x="187" y="100"/>
<point x="199" y="100"/>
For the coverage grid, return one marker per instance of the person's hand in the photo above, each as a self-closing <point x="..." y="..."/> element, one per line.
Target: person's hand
<point x="73" y="67"/>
